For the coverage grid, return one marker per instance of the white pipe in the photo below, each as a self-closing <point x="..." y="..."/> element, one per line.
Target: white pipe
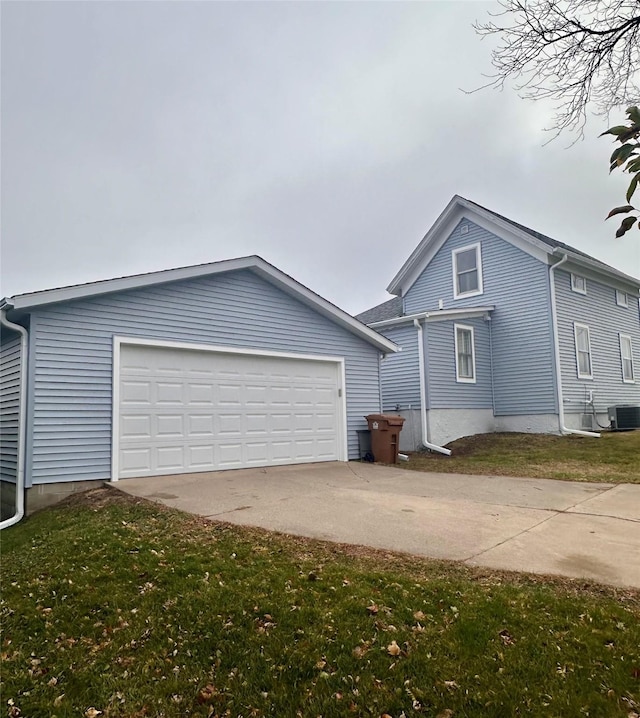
<point x="423" y="395"/>
<point x="556" y="348"/>
<point x="22" y="428"/>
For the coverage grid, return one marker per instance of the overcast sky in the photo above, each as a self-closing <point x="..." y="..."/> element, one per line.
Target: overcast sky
<point x="325" y="137"/>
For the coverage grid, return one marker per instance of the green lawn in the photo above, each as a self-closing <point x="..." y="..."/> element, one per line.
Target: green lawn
<point x="613" y="458"/>
<point x="116" y="605"/>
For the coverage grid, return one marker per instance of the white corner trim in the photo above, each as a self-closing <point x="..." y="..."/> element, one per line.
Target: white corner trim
<point x="119" y="341"/>
<point x="621" y="338"/>
<point x="576" y="326"/>
<point x="462" y="379"/>
<point x="454" y="268"/>
<point x="115" y="409"/>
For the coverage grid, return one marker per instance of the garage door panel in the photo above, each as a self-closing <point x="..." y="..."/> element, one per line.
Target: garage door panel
<point x="200" y="456"/>
<point x="135" y="426"/>
<point x="183" y="410"/>
<point x="136" y="392"/>
<point x="170" y="393"/>
<point x="136" y="460"/>
<point x="200" y="426"/>
<point x="169" y="426"/>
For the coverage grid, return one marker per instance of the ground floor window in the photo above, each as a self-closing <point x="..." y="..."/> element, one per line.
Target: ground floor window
<point x="583" y="351"/>
<point x="465" y="354"/>
<point x="626" y="356"/>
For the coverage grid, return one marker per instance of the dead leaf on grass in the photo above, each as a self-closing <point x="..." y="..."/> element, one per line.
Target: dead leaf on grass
<point x="506" y="637"/>
<point x="92" y="712"/>
<point x="393" y="649"/>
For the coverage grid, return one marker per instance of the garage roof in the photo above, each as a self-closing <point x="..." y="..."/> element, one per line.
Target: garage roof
<point x="32" y="300"/>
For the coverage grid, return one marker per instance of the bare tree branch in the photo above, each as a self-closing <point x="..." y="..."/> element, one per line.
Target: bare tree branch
<point x="577" y="53"/>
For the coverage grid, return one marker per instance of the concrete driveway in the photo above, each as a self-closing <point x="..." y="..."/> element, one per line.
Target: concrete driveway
<point x="559" y="527"/>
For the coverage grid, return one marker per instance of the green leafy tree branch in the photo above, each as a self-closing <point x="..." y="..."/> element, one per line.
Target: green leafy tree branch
<point x="627" y="158"/>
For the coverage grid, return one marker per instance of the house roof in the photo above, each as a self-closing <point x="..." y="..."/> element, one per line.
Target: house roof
<point x="390" y="309"/>
<point x="32" y="300"/>
<point x="540" y="245"/>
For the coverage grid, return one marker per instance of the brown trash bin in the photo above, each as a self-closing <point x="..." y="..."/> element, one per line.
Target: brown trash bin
<point x="385" y="436"/>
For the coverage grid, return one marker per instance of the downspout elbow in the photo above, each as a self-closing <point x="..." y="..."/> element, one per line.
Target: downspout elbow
<point x="22" y="429"/>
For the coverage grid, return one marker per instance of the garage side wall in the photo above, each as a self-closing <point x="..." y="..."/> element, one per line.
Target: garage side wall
<point x="74" y="355"/>
<point x="9" y="405"/>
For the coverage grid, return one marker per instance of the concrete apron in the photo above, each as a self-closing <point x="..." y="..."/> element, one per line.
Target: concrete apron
<point x="581" y="530"/>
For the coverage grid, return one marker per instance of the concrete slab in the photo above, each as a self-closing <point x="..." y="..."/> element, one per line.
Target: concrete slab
<point x="575" y="529"/>
<point x="621" y="501"/>
<point x="576" y="545"/>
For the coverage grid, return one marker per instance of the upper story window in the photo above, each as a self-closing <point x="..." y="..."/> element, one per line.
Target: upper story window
<point x="621" y="299"/>
<point x="578" y="284"/>
<point x="467" y="271"/>
<point x="465" y="354"/>
<point x="583" y="351"/>
<point x="626" y="356"/>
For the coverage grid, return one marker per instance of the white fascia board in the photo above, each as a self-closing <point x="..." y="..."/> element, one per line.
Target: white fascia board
<point x="585" y="267"/>
<point x="253" y="263"/>
<point x="458" y="209"/>
<point x="438" y="315"/>
<point x="32" y="300"/>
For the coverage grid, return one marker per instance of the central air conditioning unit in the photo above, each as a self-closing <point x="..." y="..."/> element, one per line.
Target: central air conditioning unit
<point x="624" y="417"/>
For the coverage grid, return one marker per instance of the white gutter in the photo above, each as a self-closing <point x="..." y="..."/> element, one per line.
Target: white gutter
<point x="437" y="315"/>
<point x="22" y="428"/>
<point x="423" y="395"/>
<point x="556" y="347"/>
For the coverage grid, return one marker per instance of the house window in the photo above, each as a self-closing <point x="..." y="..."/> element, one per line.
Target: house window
<point x="583" y="351"/>
<point x="621" y="299"/>
<point x="467" y="271"/>
<point x="465" y="354"/>
<point x="578" y="284"/>
<point x="626" y="356"/>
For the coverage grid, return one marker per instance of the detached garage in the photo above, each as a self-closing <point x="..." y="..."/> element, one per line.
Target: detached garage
<point x="219" y="366"/>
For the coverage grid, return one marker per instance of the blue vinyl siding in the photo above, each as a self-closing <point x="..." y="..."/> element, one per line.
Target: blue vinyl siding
<point x="606" y="320"/>
<point x="10" y="352"/>
<point x="400" y="372"/>
<point x="444" y="392"/>
<point x="517" y="285"/>
<point x="72" y="382"/>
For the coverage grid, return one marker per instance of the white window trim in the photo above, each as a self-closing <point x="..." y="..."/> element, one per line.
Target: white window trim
<point x="574" y="287"/>
<point x="465" y="379"/>
<point x="632" y="380"/>
<point x="576" y="326"/>
<point x="454" y="255"/>
<point x="622" y="300"/>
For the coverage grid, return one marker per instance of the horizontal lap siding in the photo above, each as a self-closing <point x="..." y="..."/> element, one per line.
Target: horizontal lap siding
<point x="400" y="372"/>
<point x="10" y="351"/>
<point x="605" y="319"/>
<point x="73" y="357"/>
<point x="444" y="391"/>
<point x="518" y="286"/>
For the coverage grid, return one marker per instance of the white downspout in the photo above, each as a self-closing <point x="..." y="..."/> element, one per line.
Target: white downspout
<point x="22" y="428"/>
<point x="423" y="395"/>
<point x="556" y="347"/>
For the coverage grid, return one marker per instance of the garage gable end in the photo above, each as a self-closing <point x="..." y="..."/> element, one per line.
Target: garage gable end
<point x="74" y="357"/>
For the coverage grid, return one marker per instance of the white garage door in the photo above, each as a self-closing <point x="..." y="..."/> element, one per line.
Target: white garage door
<point x="184" y="411"/>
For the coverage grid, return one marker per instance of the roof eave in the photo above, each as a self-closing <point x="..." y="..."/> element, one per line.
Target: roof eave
<point x="33" y="300"/>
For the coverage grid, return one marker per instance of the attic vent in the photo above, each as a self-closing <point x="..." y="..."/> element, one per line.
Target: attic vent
<point x="464" y="229"/>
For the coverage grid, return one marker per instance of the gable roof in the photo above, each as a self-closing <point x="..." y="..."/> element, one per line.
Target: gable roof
<point x="390" y="309"/>
<point x="539" y="245"/>
<point x="32" y="300"/>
